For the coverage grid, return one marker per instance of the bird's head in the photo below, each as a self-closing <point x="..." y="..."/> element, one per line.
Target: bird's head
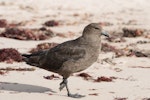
<point x="94" y="30"/>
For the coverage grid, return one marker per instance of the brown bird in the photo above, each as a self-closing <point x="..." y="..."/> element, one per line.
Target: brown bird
<point x="71" y="56"/>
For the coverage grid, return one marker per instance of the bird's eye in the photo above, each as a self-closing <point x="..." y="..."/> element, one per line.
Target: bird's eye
<point x="96" y="28"/>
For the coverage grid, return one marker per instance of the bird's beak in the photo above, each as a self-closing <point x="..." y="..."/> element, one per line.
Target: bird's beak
<point x="105" y="33"/>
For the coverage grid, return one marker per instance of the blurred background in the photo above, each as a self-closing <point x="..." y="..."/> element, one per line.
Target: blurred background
<point x="27" y="26"/>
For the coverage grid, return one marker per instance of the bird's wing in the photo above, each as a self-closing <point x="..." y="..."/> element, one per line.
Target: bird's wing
<point x="62" y="53"/>
<point x="69" y="51"/>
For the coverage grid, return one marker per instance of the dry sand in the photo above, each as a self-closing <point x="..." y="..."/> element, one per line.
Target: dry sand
<point x="132" y="73"/>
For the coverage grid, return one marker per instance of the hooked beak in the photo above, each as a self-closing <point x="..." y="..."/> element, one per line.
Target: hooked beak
<point x="105" y="33"/>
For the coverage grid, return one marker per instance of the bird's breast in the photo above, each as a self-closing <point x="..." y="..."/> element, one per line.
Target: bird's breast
<point x="92" y="55"/>
<point x="89" y="58"/>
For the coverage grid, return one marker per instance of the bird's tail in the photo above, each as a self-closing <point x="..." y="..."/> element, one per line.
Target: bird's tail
<point x="26" y="55"/>
<point x="32" y="59"/>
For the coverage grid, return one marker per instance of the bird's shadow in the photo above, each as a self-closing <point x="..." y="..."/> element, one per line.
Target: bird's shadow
<point x="18" y="87"/>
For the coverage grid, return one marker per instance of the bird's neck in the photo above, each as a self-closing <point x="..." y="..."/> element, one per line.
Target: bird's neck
<point x="92" y="41"/>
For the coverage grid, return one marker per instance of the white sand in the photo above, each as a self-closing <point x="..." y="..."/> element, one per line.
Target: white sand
<point x="132" y="83"/>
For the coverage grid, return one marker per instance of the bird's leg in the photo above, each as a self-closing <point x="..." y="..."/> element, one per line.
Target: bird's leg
<point x="64" y="84"/>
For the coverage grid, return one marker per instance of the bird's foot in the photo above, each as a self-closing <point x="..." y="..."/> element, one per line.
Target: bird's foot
<point x="75" y="95"/>
<point x="63" y="84"/>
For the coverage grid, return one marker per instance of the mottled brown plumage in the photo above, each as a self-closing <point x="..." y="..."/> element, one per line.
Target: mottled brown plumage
<point x="71" y="56"/>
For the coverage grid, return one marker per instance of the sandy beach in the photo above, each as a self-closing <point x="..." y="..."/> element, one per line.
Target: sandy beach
<point x="120" y="73"/>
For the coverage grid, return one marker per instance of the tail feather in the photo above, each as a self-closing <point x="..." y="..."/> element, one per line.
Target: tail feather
<point x="34" y="58"/>
<point x="33" y="54"/>
<point x="26" y="55"/>
<point x="31" y="60"/>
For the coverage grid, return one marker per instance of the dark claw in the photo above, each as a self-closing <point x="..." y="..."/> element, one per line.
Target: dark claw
<point x="62" y="85"/>
<point x="76" y="95"/>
